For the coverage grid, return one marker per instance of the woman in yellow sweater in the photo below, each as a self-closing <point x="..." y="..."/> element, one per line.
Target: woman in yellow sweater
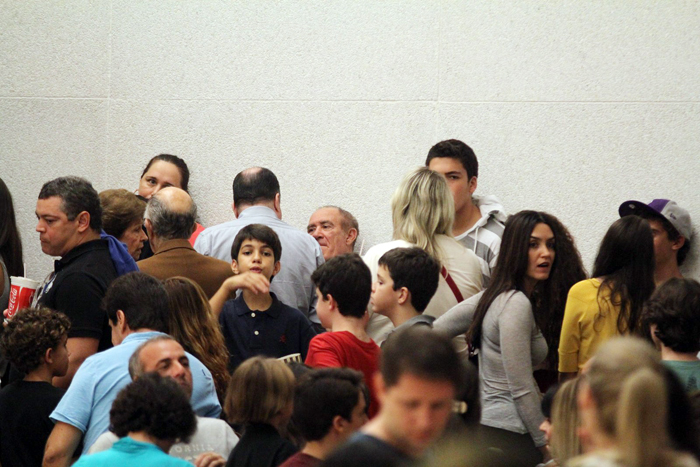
<point x="611" y="302"/>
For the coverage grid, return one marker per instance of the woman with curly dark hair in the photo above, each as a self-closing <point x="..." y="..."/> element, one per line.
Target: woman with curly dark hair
<point x="149" y="415"/>
<point x="34" y="341"/>
<point x="515" y="324"/>
<point x="193" y="325"/>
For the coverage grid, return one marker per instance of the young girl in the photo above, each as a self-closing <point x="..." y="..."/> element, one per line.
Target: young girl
<point x="193" y="325"/>
<point x="511" y="323"/>
<point x="611" y="303"/>
<point x="622" y="401"/>
<point x="260" y="396"/>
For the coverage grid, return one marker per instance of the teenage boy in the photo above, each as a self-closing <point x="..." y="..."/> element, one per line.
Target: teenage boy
<point x="329" y="406"/>
<point x="256" y="322"/>
<point x="671" y="317"/>
<point x="343" y="287"/>
<point x="407" y="279"/>
<point x="34" y="341"/>
<point x="420" y="376"/>
<point x="479" y="220"/>
<point x="672" y="230"/>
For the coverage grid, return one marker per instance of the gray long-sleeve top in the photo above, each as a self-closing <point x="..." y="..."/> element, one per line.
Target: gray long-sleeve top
<point x="511" y="346"/>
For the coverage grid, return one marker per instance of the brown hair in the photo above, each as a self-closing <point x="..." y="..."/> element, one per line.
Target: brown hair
<point x="120" y="209"/>
<point x="193" y="325"/>
<point x="259" y="389"/>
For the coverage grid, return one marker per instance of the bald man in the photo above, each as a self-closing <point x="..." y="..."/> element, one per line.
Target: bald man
<point x="170" y="220"/>
<point x="256" y="200"/>
<point x="335" y="230"/>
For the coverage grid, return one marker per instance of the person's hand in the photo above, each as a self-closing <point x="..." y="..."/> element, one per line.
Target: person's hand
<point x="5" y="313"/>
<point x="256" y="283"/>
<point x="209" y="459"/>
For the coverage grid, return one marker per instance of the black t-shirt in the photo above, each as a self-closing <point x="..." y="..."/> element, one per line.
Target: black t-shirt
<point x="25" y="426"/>
<point x="81" y="280"/>
<point x="367" y="451"/>
<point x="260" y="446"/>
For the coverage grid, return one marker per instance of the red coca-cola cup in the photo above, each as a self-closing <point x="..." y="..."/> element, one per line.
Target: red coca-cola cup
<point x="21" y="293"/>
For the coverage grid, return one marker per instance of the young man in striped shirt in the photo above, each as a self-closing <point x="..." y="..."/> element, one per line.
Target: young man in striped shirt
<point x="479" y="220"/>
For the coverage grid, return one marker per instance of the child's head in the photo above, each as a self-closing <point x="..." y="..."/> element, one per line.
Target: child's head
<point x="35" y="336"/>
<point x="256" y="248"/>
<point x="329" y="400"/>
<point x="261" y="390"/>
<point x="672" y="315"/>
<point x="346" y="278"/>
<point x="405" y="276"/>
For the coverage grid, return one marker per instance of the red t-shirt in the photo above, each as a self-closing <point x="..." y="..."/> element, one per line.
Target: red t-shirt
<point x="343" y="349"/>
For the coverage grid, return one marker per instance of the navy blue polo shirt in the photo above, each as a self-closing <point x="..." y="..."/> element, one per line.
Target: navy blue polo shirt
<point x="276" y="332"/>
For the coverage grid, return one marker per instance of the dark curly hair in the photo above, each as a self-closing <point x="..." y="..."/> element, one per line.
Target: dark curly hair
<point x="674" y="309"/>
<point x="549" y="297"/>
<point x="156" y="405"/>
<point x="30" y="333"/>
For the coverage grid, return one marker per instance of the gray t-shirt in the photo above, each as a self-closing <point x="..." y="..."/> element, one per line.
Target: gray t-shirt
<point x="511" y="346"/>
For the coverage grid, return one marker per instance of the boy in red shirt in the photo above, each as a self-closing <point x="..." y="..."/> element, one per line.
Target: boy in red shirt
<point x="343" y="287"/>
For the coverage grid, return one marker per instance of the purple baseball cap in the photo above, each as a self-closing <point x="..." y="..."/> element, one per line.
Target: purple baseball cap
<point x="669" y="210"/>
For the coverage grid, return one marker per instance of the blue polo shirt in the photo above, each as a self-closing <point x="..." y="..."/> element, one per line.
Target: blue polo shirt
<point x="99" y="379"/>
<point x="276" y="332"/>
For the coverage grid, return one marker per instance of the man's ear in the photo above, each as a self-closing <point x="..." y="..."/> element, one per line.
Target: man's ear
<point x="351" y="236"/>
<point x="149" y="227"/>
<point x="121" y="321"/>
<point x="278" y="205"/>
<point x="234" y="266"/>
<point x="339" y="424"/>
<point x="277" y="268"/>
<point x="472" y="185"/>
<point x="83" y="221"/>
<point x="404" y="296"/>
<point x="48" y="356"/>
<point x="235" y="210"/>
<point x="678" y="243"/>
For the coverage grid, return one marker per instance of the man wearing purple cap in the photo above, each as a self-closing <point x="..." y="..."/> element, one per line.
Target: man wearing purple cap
<point x="672" y="230"/>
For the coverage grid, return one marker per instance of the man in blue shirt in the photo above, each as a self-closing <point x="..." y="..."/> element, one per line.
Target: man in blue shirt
<point x="256" y="200"/>
<point x="137" y="308"/>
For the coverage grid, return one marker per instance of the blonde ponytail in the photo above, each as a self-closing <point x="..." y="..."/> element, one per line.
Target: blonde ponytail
<point x="641" y="435"/>
<point x="565" y="443"/>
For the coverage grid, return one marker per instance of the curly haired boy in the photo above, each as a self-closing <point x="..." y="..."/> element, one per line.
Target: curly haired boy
<point x="34" y="341"/>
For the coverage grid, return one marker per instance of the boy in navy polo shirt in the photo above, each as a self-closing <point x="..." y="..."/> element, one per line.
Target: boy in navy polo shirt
<point x="256" y="322"/>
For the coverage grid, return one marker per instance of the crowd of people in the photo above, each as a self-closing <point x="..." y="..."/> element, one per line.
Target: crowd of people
<point x="157" y="341"/>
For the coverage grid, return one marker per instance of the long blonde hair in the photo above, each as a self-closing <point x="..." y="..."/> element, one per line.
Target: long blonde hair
<point x="564" y="442"/>
<point x="422" y="207"/>
<point x="193" y="325"/>
<point x="628" y="387"/>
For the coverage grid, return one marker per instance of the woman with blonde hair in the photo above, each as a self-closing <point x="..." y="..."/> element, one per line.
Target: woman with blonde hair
<point x="622" y="401"/>
<point x="193" y="325"/>
<point x="260" y="397"/>
<point x="423" y="213"/>
<point x="564" y="442"/>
